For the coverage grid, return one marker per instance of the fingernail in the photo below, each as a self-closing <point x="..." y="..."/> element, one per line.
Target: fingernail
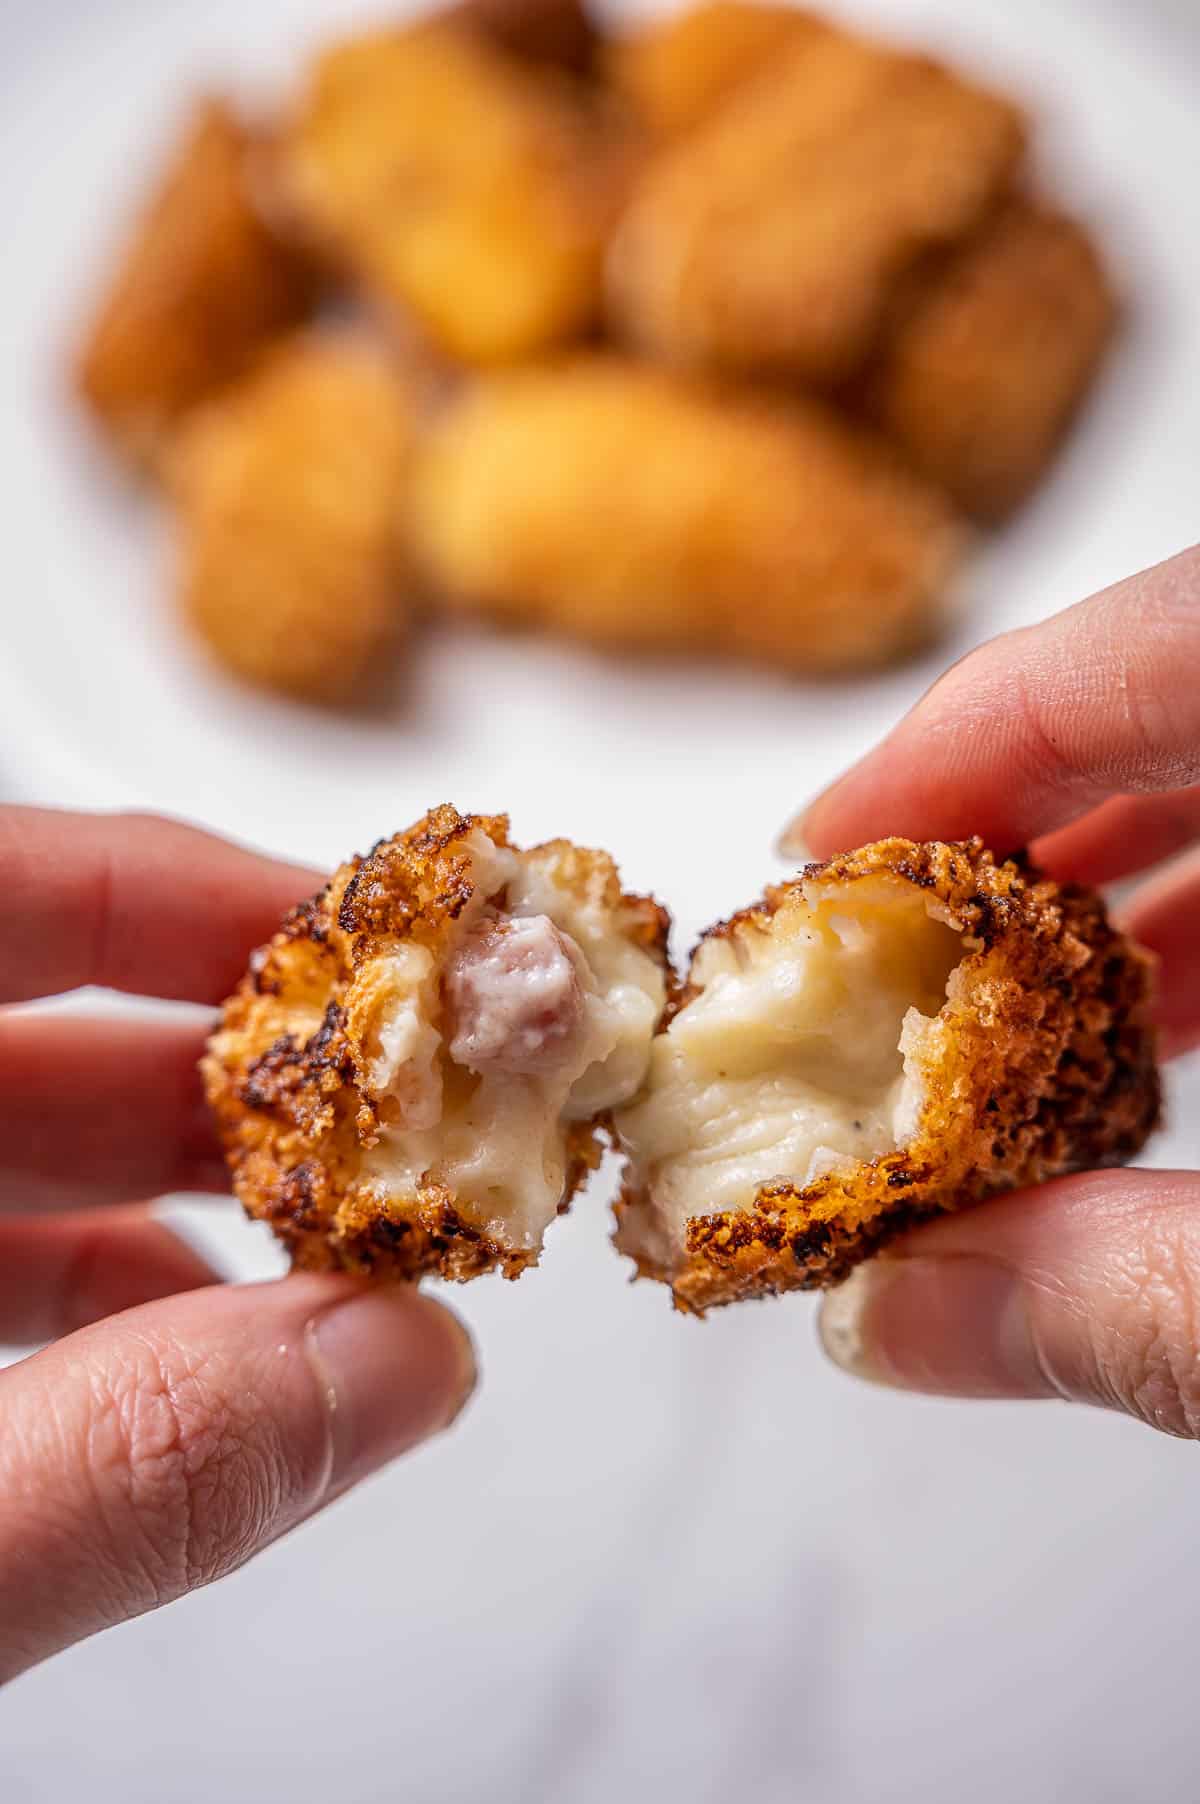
<point x="396" y="1368"/>
<point x="803" y="831"/>
<point x="955" y="1327"/>
<point x="792" y="842"/>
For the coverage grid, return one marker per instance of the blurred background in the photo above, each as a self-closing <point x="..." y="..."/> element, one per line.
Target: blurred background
<point x="657" y="1558"/>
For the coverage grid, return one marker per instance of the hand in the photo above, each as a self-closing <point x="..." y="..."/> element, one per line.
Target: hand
<point x="1081" y="739"/>
<point x="157" y="1448"/>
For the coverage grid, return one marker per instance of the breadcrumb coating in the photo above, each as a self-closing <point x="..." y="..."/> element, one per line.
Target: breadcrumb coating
<point x="904" y="1030"/>
<point x="989" y="356"/>
<point x="675" y="71"/>
<point x="634" y="508"/>
<point x="202" y="285"/>
<point x="370" y="1107"/>
<point x="288" y="490"/>
<point x="772" y="236"/>
<point x="459" y="185"/>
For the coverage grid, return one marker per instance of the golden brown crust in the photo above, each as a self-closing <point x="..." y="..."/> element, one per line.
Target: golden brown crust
<point x="286" y="1073"/>
<point x="990" y="354"/>
<point x="289" y="490"/>
<point x="760" y="529"/>
<point x="204" y="283"/>
<point x="1045" y="1065"/>
<point x="772" y="236"/>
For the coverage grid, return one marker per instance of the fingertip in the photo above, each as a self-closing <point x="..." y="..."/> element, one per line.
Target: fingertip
<point x="793" y="843"/>
<point x="396" y="1367"/>
<point x="814" y="832"/>
<point x="238" y="1411"/>
<point x="955" y="1326"/>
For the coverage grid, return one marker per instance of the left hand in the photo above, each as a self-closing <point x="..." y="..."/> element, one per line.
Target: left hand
<point x="168" y="1436"/>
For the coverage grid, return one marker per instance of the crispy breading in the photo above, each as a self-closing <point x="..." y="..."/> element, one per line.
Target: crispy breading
<point x="378" y="1130"/>
<point x="203" y="283"/>
<point x="288" y="490"/>
<point x="676" y="70"/>
<point x="771" y="237"/>
<point x="457" y="184"/>
<point x="904" y="1030"/>
<point x="989" y="356"/>
<point x="631" y="507"/>
<point x="555" y="32"/>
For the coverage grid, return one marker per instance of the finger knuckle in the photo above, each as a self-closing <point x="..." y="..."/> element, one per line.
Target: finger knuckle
<point x="189" y="1485"/>
<point x="1151" y="1355"/>
<point x="1041" y="748"/>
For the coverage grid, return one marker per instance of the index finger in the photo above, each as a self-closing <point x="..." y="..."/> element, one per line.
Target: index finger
<point x="133" y="903"/>
<point x="1037" y="726"/>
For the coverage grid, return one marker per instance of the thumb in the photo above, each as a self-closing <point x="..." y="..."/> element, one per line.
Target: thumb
<point x="149" y="1454"/>
<point x="1086" y="1289"/>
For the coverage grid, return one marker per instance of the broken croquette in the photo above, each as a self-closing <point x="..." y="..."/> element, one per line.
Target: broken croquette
<point x="904" y="1030"/>
<point x="414" y="1073"/>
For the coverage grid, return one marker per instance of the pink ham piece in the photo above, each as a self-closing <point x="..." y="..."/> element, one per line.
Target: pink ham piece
<point x="513" y="997"/>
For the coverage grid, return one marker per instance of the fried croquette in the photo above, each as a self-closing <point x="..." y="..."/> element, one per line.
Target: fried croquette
<point x="634" y="508"/>
<point x="288" y="490"/>
<point x="413" y="1074"/>
<point x="457" y="185"/>
<point x="202" y="286"/>
<point x="771" y="237"/>
<point x="674" y="72"/>
<point x="904" y="1030"/>
<point x="989" y="358"/>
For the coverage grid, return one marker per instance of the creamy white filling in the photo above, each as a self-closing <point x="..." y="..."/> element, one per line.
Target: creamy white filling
<point x="406" y="1066"/>
<point x="477" y="1087"/>
<point x="801" y="1055"/>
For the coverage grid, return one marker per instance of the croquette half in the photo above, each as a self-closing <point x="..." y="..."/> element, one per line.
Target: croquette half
<point x="905" y="1030"/>
<point x="413" y="1075"/>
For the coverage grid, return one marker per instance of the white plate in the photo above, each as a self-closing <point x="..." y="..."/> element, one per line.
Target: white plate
<point x="657" y="1558"/>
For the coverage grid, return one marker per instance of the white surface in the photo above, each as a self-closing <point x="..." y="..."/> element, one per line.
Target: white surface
<point x="657" y="1559"/>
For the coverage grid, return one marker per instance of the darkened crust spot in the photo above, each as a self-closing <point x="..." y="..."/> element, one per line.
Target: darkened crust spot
<point x="1047" y="1066"/>
<point x="286" y="1072"/>
<point x="557" y="33"/>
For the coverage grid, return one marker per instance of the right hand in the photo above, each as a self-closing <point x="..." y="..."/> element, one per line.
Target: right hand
<point x="1081" y="739"/>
